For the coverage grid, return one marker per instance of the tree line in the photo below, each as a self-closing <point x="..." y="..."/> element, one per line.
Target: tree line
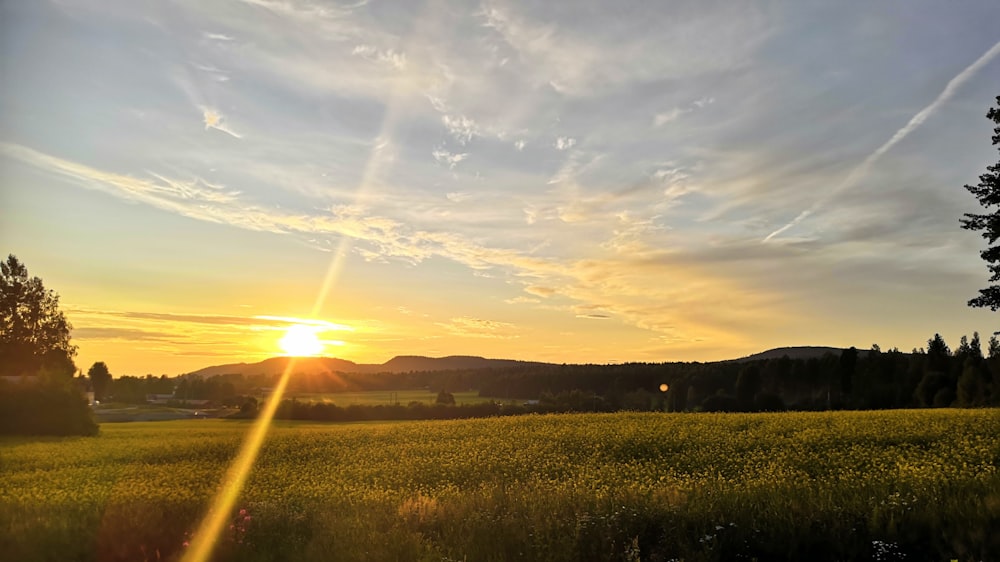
<point x="935" y="376"/>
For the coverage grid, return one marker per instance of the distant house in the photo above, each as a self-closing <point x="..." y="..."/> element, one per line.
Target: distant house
<point x="159" y="398"/>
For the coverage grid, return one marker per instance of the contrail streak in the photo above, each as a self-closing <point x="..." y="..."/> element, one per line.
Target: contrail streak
<point x="914" y="123"/>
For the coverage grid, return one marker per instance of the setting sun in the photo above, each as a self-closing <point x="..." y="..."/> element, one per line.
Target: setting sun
<point x="301" y="341"/>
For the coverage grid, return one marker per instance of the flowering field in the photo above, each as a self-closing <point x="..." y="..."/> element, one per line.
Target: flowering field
<point x="914" y="485"/>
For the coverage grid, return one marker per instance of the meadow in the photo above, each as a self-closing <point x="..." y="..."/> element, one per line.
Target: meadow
<point x="890" y="485"/>
<point x="386" y="397"/>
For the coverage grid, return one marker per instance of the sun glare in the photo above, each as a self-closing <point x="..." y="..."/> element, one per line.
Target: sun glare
<point x="301" y="341"/>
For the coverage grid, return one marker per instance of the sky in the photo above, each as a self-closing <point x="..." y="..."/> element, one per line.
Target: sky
<point x="573" y="182"/>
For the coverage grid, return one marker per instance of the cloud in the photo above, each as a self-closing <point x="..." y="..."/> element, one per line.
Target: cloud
<point x="522" y="300"/>
<point x="461" y="127"/>
<point x="673" y="114"/>
<point x="390" y="57"/>
<point x="479" y="328"/>
<point x="171" y="321"/>
<point x="621" y="287"/>
<point x="632" y="233"/>
<point x="564" y="143"/>
<point x="661" y="119"/>
<point x="458" y="196"/>
<point x="217" y="73"/>
<point x="214" y="319"/>
<point x="583" y="56"/>
<point x="702" y="102"/>
<point x="915" y="122"/>
<point x="129" y="334"/>
<point x="540" y="291"/>
<point x="323" y="324"/>
<point x="216" y="36"/>
<point x="449" y="159"/>
<point x="329" y="17"/>
<point x="519" y="145"/>
<point x="195" y="198"/>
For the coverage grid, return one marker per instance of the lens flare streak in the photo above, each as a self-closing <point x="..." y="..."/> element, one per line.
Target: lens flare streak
<point x="205" y="538"/>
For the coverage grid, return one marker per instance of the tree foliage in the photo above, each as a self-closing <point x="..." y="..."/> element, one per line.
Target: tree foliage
<point x="100" y="379"/>
<point x="445" y="397"/>
<point x="988" y="194"/>
<point x="34" y="333"/>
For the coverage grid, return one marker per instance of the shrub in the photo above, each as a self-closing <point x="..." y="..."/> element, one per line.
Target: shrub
<point x="35" y="409"/>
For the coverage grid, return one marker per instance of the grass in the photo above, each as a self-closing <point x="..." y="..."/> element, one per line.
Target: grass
<point x="913" y="485"/>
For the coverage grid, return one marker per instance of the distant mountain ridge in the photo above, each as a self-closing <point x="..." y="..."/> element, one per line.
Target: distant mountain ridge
<point x="797" y="352"/>
<point x="398" y="364"/>
<point x="417" y="363"/>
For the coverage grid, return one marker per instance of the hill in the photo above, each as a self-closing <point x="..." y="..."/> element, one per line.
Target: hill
<point x="417" y="363"/>
<point x="399" y="364"/>
<point x="799" y="352"/>
<point x="410" y="363"/>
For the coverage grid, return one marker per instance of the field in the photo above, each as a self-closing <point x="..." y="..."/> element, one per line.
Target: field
<point x="913" y="485"/>
<point x="386" y="397"/>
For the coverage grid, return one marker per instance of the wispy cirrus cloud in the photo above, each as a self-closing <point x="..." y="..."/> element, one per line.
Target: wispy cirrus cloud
<point x="540" y="291"/>
<point x="391" y="57"/>
<point x="672" y="114"/>
<point x="449" y="159"/>
<point x="461" y="127"/>
<point x="127" y="334"/>
<point x="217" y="36"/>
<point x="478" y="328"/>
<point x="583" y="281"/>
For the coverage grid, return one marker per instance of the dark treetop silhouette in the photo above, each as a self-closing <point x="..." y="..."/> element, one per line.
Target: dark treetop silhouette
<point x="988" y="194"/>
<point x="34" y="333"/>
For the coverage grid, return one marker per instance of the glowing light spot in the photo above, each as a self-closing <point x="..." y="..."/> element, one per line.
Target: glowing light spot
<point x="211" y="118"/>
<point x="301" y="341"/>
<point x="664" y="387"/>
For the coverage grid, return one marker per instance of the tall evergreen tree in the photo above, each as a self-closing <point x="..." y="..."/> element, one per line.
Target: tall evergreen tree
<point x="976" y="347"/>
<point x="938" y="354"/>
<point x="988" y="194"/>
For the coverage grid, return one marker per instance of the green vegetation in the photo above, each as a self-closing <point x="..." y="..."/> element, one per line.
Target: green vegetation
<point x="39" y="395"/>
<point x="44" y="409"/>
<point x="818" y="486"/>
<point x="386" y="397"/>
<point x="34" y="333"/>
<point x="987" y="192"/>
